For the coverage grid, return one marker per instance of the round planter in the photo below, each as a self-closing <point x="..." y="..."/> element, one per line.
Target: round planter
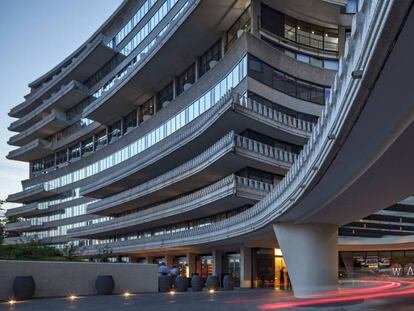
<point x="181" y="283"/>
<point x="23" y="287"/>
<point x="196" y="283"/>
<point x="164" y="283"/>
<point x="212" y="282"/>
<point x="104" y="284"/>
<point x="228" y="282"/>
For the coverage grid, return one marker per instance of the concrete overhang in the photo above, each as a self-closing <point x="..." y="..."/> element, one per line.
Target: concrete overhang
<point x="22" y="211"/>
<point x="224" y="195"/>
<point x="67" y="97"/>
<point x="96" y="54"/>
<point x="204" y="131"/>
<point x="31" y="151"/>
<point x="47" y="126"/>
<point x="35" y="193"/>
<point x="221" y="159"/>
<point x="204" y="26"/>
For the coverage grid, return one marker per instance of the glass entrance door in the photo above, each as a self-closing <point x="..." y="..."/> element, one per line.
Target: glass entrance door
<point x="231" y="265"/>
<point x="204" y="266"/>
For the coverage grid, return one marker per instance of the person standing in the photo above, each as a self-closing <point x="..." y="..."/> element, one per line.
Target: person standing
<point x="163" y="269"/>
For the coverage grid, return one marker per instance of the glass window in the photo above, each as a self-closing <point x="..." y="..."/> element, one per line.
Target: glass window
<point x="186" y="79"/>
<point x="165" y="95"/>
<point x="243" y="23"/>
<point x="147" y="110"/>
<point x="115" y="131"/>
<point x="130" y="121"/>
<point x="206" y="61"/>
<point x="74" y="152"/>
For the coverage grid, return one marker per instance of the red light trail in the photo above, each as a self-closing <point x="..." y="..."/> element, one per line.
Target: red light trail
<point x="389" y="289"/>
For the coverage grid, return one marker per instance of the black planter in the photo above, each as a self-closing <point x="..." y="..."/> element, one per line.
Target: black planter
<point x="164" y="283"/>
<point x="181" y="283"/>
<point x="23" y="287"/>
<point x="212" y="282"/>
<point x="104" y="284"/>
<point x="196" y="283"/>
<point x="228" y="282"/>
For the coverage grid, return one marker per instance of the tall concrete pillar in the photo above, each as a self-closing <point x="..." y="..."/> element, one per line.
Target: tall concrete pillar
<point x="311" y="255"/>
<point x="245" y="267"/>
<point x="217" y="262"/>
<point x="191" y="260"/>
<point x="256" y="16"/>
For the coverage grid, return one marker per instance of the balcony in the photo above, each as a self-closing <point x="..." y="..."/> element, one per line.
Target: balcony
<point x="228" y="155"/>
<point x="94" y="56"/>
<point x="31" y="151"/>
<point x="232" y="112"/>
<point x="34" y="193"/>
<point x="66" y="97"/>
<point x="19" y="226"/>
<point x="164" y="53"/>
<point x="22" y="211"/>
<point x="224" y="195"/>
<point x="47" y="126"/>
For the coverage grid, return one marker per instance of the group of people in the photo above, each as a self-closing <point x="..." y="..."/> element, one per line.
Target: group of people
<point x="164" y="270"/>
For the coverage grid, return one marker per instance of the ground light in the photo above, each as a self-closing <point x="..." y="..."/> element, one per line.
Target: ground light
<point x="72" y="297"/>
<point x="127" y="294"/>
<point x="11" y="301"/>
<point x="172" y="292"/>
<point x="211" y="291"/>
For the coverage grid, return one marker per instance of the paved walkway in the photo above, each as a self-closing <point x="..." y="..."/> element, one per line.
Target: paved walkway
<point x="237" y="300"/>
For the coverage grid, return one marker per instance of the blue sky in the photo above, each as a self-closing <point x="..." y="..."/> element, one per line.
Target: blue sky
<point x="35" y="36"/>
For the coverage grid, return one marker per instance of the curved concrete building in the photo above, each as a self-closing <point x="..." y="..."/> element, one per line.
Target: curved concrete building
<point x="226" y="137"/>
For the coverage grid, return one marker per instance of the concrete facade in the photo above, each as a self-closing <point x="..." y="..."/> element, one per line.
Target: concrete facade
<point x="213" y="130"/>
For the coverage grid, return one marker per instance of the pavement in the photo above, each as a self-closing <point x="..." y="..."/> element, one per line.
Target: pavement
<point x="242" y="299"/>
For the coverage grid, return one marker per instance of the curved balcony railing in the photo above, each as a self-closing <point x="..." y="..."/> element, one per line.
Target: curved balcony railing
<point x="358" y="53"/>
<point x="202" y="123"/>
<point x="229" y="143"/>
<point x="230" y="185"/>
<point x="144" y="54"/>
<point x="46" y="86"/>
<point x="296" y="46"/>
<point x="57" y="118"/>
<point x="19" y="124"/>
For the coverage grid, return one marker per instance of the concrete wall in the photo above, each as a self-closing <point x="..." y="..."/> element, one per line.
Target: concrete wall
<point x="62" y="278"/>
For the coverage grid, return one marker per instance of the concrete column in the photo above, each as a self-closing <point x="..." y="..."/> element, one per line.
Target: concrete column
<point x="191" y="260"/>
<point x="217" y="262"/>
<point x="256" y="17"/>
<point x="341" y="40"/>
<point x="245" y="267"/>
<point x="169" y="261"/>
<point x="223" y="43"/>
<point x="348" y="260"/>
<point x="311" y="255"/>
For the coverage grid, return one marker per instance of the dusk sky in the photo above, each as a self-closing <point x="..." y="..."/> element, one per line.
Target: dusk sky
<point x="35" y="36"/>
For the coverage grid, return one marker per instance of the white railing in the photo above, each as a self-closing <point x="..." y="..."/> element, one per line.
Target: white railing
<point x="219" y="149"/>
<point x="265" y="150"/>
<point x="273" y="114"/>
<point x="216" y="191"/>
